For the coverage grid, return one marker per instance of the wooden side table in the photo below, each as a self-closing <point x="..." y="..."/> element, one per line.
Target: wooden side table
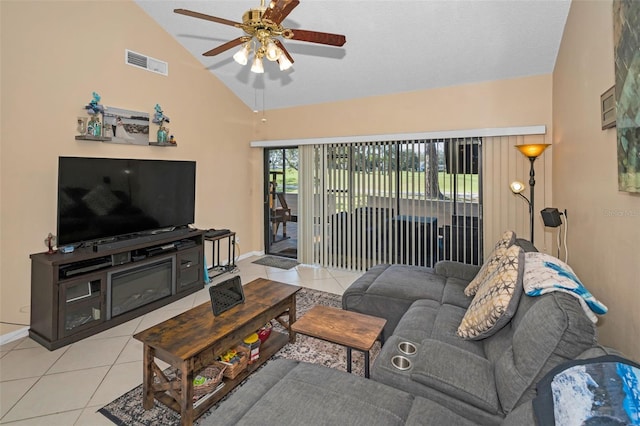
<point x="216" y="267"/>
<point x="350" y="329"/>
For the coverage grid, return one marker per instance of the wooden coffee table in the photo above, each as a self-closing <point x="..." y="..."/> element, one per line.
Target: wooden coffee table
<point x="195" y="338"/>
<point x="346" y="328"/>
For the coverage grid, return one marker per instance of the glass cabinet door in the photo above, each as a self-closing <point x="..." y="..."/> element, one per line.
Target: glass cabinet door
<point x="81" y="304"/>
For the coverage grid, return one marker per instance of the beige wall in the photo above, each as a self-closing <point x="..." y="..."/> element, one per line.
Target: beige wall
<point x="54" y="55"/>
<point x="604" y="232"/>
<point x="517" y="102"/>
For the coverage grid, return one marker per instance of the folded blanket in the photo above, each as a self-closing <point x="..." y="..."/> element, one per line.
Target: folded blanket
<point x="544" y="273"/>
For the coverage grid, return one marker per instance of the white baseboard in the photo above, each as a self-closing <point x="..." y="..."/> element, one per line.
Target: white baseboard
<point x="253" y="253"/>
<point x="14" y="335"/>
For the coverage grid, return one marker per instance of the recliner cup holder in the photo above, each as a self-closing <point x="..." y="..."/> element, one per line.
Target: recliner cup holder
<point x="407" y="348"/>
<point x="401" y="362"/>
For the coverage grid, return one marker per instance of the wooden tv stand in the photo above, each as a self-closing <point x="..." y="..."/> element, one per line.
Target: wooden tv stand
<point x="72" y="294"/>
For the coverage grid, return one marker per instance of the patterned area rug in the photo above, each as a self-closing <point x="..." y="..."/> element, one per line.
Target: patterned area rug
<point x="127" y="409"/>
<point x="276" y="262"/>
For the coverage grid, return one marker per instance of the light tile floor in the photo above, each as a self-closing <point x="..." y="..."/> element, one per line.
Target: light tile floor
<point x="67" y="386"/>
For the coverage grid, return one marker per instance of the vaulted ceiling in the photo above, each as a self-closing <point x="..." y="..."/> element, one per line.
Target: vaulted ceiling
<point x="392" y="46"/>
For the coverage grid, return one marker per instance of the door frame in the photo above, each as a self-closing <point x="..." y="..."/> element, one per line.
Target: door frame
<point x="267" y="178"/>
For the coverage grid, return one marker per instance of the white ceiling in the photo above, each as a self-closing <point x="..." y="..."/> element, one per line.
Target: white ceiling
<point x="392" y="46"/>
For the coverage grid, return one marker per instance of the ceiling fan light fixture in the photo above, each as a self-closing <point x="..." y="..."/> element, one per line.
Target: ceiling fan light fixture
<point x="257" y="66"/>
<point x="284" y="62"/>
<point x="242" y="55"/>
<point x="263" y="28"/>
<point x="272" y="52"/>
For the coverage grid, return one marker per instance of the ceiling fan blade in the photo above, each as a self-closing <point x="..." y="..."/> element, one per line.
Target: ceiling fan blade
<point x="279" y="9"/>
<point x="284" y="51"/>
<point x="224" y="47"/>
<point x="318" y="37"/>
<point x="206" y="17"/>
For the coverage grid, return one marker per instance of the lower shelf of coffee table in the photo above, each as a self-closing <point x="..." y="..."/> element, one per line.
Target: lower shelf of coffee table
<point x="270" y="347"/>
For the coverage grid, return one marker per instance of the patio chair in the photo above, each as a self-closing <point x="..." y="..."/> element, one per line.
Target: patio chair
<point x="279" y="215"/>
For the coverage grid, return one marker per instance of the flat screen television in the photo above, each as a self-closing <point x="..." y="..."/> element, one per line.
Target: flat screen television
<point x="106" y="198"/>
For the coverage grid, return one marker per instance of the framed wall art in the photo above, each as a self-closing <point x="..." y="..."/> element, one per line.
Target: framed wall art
<point x="626" y="36"/>
<point x="126" y="126"/>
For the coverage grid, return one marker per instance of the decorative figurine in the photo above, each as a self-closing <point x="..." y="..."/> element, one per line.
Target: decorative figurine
<point x="94" y="106"/>
<point x="82" y="126"/>
<point x="50" y="242"/>
<point x="159" y="118"/>
<point x="94" y="127"/>
<point x="162" y="134"/>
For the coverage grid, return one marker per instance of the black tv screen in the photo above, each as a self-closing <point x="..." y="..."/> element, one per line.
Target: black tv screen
<point x="102" y="198"/>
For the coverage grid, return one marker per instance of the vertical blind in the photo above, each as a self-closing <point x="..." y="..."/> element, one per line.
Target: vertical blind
<point x="415" y="201"/>
<point x="502" y="209"/>
<point x="407" y="201"/>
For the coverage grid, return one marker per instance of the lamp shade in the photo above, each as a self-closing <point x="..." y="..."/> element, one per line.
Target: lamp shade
<point x="517" y="187"/>
<point x="257" y="66"/>
<point x="284" y="62"/>
<point x="242" y="55"/>
<point x="273" y="52"/>
<point x="532" y="150"/>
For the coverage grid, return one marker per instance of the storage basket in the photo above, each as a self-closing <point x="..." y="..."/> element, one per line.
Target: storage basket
<point x="213" y="376"/>
<point x="232" y="370"/>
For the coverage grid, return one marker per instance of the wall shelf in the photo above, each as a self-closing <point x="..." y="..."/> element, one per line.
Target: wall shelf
<point x="162" y="144"/>
<point x="93" y="138"/>
<point x="108" y="139"/>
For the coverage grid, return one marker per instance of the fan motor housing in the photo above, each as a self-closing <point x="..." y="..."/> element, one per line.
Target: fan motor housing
<point x="253" y="17"/>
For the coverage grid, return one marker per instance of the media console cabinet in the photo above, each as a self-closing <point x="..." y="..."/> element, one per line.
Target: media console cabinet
<point x="79" y="294"/>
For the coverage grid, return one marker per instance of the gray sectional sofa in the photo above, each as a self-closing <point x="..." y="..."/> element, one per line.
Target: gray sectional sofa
<point x="287" y="392"/>
<point x="450" y="380"/>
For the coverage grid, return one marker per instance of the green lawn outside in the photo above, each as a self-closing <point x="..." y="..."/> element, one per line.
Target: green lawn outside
<point x="411" y="182"/>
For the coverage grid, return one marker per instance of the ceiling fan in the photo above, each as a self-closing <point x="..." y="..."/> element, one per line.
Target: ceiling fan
<point x="262" y="25"/>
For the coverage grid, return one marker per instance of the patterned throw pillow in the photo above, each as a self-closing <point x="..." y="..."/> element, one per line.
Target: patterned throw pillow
<point x="506" y="241"/>
<point x="497" y="298"/>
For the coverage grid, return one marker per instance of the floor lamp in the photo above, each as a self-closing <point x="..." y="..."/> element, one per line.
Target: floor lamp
<point x="531" y="151"/>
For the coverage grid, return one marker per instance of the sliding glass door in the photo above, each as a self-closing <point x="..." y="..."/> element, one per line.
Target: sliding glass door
<point x="412" y="202"/>
<point x="281" y="166"/>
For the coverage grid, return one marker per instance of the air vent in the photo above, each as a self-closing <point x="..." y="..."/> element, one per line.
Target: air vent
<point x="146" y="62"/>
